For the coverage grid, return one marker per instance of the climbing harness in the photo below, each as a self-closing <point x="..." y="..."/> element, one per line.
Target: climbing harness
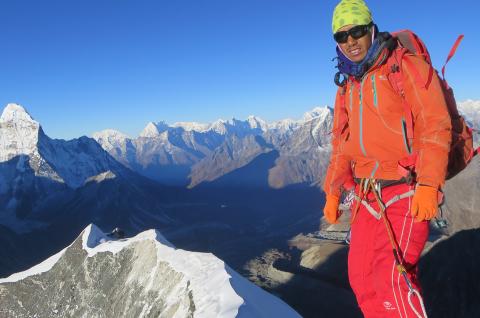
<point x="363" y="189"/>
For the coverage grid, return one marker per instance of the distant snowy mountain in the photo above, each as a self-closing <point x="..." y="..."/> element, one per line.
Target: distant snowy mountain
<point x="36" y="170"/>
<point x="166" y="153"/>
<point x="188" y="152"/>
<point x="50" y="187"/>
<point x="146" y="276"/>
<point x="18" y="133"/>
<point x="70" y="162"/>
<point x="298" y="153"/>
<point x="471" y="110"/>
<point x="304" y="151"/>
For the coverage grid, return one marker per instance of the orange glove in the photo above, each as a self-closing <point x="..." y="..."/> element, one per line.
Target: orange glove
<point x="424" y="203"/>
<point x="330" y="211"/>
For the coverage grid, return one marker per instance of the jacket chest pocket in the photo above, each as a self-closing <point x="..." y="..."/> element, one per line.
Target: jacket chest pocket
<point x="361" y="94"/>
<point x="384" y="98"/>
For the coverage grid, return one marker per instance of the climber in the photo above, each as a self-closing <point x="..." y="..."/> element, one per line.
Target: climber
<point x="369" y="140"/>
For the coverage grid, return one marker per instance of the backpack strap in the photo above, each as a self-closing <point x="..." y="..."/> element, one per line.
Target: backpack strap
<point x="410" y="42"/>
<point x="450" y="55"/>
<point x="396" y="80"/>
<point x="343" y="118"/>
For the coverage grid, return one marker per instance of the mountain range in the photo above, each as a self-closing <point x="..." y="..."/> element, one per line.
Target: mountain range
<point x="190" y="153"/>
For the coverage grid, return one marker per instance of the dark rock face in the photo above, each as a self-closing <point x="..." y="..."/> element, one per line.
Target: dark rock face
<point x="233" y="154"/>
<point x="313" y="282"/>
<point x="450" y="277"/>
<point x="462" y="199"/>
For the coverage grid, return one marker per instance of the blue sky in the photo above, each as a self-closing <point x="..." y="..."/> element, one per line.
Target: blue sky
<point x="81" y="66"/>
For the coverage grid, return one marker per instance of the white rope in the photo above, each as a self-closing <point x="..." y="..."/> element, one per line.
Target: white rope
<point x="416" y="293"/>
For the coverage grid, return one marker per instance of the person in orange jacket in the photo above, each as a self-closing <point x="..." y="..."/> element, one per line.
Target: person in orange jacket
<point x="369" y="140"/>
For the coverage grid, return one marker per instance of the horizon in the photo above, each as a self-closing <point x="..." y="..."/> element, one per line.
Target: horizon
<point x="297" y="119"/>
<point x="83" y="67"/>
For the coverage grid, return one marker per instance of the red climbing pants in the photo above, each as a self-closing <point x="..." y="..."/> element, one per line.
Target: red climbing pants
<point x="380" y="289"/>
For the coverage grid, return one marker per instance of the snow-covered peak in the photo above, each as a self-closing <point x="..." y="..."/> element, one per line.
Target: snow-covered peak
<point x="154" y="129"/>
<point x="149" y="131"/>
<point x="251" y="125"/>
<point x="110" y="138"/>
<point x="284" y="125"/>
<point x="16" y="113"/>
<point x="321" y="112"/>
<point x="470" y="105"/>
<point x="18" y="133"/>
<point x="191" y="126"/>
<point x="318" y="113"/>
<point x="219" y="126"/>
<point x="257" y="123"/>
<point x="110" y="134"/>
<point x="471" y="110"/>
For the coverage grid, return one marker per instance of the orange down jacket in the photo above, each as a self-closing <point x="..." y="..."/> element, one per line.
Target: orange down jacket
<point x="369" y="137"/>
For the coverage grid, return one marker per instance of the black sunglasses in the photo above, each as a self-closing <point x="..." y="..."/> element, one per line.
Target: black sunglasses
<point x="356" y="32"/>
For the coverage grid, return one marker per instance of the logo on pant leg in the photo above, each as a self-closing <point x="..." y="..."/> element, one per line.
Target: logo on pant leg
<point x="388" y="305"/>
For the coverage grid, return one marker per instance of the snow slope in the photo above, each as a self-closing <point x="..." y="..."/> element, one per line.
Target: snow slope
<point x="215" y="289"/>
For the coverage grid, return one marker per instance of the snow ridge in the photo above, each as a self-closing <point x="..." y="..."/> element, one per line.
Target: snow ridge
<point x="252" y="124"/>
<point x="216" y="290"/>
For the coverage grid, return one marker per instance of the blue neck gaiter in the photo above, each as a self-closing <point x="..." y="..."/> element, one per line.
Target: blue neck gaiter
<point x="348" y="67"/>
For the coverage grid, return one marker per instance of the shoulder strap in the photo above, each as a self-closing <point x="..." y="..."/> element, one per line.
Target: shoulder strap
<point x="341" y="112"/>
<point x="396" y="80"/>
<point x="450" y="55"/>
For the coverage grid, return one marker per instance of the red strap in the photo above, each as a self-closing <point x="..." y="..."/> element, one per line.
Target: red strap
<point x="407" y="165"/>
<point x="452" y="53"/>
<point x="342" y="116"/>
<point x="418" y="77"/>
<point x="476" y="151"/>
<point x="397" y="77"/>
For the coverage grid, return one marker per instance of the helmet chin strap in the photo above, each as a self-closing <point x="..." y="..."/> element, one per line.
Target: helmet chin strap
<point x="340" y="48"/>
<point x="373" y="33"/>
